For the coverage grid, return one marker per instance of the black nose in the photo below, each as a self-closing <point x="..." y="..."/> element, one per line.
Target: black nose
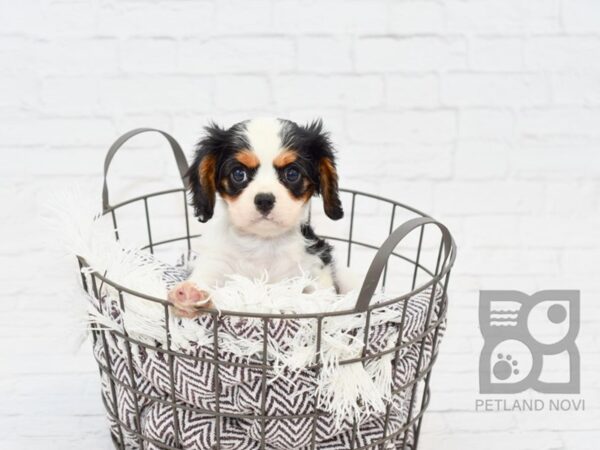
<point x="264" y="202"/>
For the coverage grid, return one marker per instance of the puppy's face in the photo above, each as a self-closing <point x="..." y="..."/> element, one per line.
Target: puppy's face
<point x="266" y="170"/>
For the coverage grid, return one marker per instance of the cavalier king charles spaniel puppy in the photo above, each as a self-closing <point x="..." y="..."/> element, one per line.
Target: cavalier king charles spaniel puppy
<point x="265" y="171"/>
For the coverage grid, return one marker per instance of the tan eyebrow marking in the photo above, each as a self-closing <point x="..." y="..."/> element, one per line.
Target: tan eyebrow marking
<point x="285" y="158"/>
<point x="248" y="158"/>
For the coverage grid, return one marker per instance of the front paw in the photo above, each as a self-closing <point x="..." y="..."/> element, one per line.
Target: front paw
<point x="189" y="301"/>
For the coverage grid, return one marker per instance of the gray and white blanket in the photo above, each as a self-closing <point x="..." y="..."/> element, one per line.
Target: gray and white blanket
<point x="255" y="409"/>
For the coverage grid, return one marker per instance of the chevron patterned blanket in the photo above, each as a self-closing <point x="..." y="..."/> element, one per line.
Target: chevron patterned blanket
<point x="138" y="396"/>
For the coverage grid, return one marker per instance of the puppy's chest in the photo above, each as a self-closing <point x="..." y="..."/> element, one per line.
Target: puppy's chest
<point x="279" y="261"/>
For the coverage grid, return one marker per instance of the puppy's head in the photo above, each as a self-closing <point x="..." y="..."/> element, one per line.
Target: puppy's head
<point x="266" y="170"/>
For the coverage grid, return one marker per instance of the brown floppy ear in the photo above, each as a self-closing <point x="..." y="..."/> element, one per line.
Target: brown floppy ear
<point x="328" y="180"/>
<point x="313" y="140"/>
<point x="202" y="174"/>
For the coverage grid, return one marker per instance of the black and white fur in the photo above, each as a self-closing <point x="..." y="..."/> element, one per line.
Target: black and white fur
<point x="265" y="171"/>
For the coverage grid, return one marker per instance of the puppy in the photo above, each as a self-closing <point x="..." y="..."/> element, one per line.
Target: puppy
<point x="265" y="171"/>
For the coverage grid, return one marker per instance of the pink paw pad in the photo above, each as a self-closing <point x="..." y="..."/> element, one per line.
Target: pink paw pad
<point x="188" y="300"/>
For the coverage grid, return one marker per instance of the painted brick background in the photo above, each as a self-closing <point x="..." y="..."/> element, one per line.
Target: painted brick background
<point x="485" y="113"/>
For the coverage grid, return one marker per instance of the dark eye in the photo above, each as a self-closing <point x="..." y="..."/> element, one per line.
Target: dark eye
<point x="292" y="174"/>
<point x="239" y="175"/>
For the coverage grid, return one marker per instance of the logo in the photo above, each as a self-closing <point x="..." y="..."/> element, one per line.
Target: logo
<point x="529" y="342"/>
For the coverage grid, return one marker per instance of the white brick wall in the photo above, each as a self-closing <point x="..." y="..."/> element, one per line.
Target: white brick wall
<point x="485" y="113"/>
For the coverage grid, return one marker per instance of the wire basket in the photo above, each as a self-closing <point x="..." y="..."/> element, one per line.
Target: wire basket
<point x="421" y="265"/>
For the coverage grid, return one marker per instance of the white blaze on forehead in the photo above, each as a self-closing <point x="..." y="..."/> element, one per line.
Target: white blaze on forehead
<point x="264" y="139"/>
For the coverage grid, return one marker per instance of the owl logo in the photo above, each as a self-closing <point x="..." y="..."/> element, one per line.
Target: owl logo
<point x="529" y="342"/>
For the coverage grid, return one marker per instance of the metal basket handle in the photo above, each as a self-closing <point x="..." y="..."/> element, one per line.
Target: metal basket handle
<point x="182" y="164"/>
<point x="385" y="250"/>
